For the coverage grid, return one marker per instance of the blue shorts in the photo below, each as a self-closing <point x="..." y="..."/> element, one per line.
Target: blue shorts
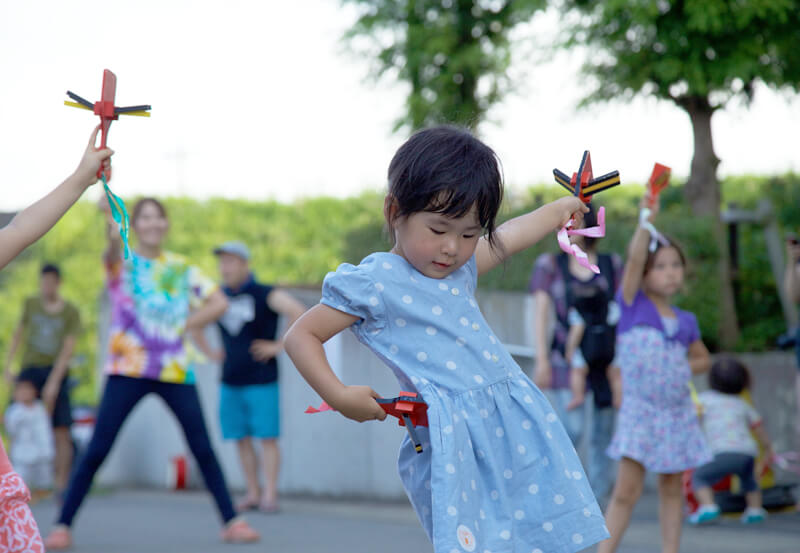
<point x="249" y="411"/>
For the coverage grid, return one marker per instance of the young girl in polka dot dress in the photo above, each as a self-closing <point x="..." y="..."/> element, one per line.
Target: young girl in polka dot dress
<point x="658" y="348"/>
<point x="497" y="472"/>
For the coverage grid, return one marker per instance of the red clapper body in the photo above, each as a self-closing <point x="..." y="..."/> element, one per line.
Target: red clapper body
<point x="659" y="179"/>
<point x="106" y="110"/>
<point x="408" y="408"/>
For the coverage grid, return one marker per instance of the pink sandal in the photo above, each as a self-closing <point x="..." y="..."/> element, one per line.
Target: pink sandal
<point x="238" y="531"/>
<point x="59" y="539"/>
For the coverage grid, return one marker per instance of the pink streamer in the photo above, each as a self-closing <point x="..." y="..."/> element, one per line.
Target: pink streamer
<point x="593" y="232"/>
<point x="323" y="407"/>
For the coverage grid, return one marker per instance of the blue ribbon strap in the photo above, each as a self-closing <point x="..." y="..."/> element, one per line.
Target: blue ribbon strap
<point x="119" y="213"/>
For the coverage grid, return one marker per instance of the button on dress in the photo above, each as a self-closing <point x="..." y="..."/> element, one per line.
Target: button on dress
<point x="498" y="473"/>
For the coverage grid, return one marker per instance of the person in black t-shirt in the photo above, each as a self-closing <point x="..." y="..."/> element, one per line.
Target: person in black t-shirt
<point x="249" y="406"/>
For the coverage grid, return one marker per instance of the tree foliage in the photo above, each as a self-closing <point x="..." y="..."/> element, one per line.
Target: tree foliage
<point x="453" y="54"/>
<point x="698" y="54"/>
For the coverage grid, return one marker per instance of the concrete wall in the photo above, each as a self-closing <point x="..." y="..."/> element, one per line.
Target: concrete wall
<point x="326" y="454"/>
<point x="322" y="454"/>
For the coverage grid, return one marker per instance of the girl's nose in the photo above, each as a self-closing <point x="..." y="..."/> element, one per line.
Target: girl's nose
<point x="449" y="246"/>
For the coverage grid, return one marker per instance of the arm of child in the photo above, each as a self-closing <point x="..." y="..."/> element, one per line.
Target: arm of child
<point x="303" y="343"/>
<point x="524" y="231"/>
<point x="12" y="419"/>
<point x="30" y="224"/>
<point x="637" y="255"/>
<point x="763" y="438"/>
<point x="56" y="377"/>
<point x="699" y="358"/>
<point x="543" y="372"/>
<point x="574" y="335"/>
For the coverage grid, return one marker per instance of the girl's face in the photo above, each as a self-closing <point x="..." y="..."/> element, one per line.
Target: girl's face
<point x="150" y="226"/>
<point x="436" y="245"/>
<point x="665" y="277"/>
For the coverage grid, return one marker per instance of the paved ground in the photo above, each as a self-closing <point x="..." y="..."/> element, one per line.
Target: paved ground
<point x="138" y="521"/>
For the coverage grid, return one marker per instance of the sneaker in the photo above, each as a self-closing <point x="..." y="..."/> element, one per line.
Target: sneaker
<point x="59" y="539"/>
<point x="705" y="514"/>
<point x="238" y="531"/>
<point x="753" y="515"/>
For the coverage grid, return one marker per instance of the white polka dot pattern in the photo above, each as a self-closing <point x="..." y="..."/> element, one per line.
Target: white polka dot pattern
<point x="500" y="462"/>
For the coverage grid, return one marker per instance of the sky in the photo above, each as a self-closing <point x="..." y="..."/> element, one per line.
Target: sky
<point x="261" y="100"/>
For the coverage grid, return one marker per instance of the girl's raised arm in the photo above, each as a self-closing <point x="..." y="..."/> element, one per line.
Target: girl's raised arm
<point x="637" y="256"/>
<point x="303" y="342"/>
<point x="524" y="231"/>
<point x="31" y="223"/>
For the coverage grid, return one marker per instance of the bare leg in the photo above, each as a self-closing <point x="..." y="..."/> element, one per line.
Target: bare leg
<point x="271" y="461"/>
<point x="247" y="456"/>
<point x="705" y="495"/>
<point x="627" y="490"/>
<point x="670" y="505"/>
<point x="753" y="499"/>
<point x="63" y="457"/>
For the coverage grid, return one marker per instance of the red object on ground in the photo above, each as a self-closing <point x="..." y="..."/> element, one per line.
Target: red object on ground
<point x="178" y="474"/>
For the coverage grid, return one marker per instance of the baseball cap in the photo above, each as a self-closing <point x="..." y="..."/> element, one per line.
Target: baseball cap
<point x="234" y="248"/>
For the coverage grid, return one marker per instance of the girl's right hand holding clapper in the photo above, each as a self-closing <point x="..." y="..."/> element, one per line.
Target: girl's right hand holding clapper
<point x="30" y="224"/>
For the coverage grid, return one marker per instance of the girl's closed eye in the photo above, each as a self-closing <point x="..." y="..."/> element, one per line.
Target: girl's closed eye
<point x="434" y="231"/>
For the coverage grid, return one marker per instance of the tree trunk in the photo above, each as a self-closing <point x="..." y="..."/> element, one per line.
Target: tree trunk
<point x="702" y="193"/>
<point x="702" y="189"/>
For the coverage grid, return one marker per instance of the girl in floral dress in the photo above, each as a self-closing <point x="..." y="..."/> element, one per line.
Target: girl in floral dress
<point x="658" y="348"/>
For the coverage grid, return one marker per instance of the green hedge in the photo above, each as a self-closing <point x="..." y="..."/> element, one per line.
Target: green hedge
<point x="298" y="243"/>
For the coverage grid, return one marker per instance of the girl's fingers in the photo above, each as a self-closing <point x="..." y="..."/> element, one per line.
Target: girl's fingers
<point x="93" y="137"/>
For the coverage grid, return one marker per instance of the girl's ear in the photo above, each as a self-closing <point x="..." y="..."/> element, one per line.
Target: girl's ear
<point x="390" y="209"/>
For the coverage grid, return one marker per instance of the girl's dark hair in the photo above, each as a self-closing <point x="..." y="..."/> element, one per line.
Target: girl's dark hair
<point x="651" y="255"/>
<point x="137" y="209"/>
<point x="728" y="376"/>
<point x="447" y="170"/>
<point x="51" y="269"/>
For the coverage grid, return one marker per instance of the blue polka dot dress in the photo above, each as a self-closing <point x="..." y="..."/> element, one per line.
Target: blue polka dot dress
<point x="498" y="473"/>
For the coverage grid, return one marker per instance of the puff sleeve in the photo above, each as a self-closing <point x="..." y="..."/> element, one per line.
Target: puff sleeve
<point x="353" y="290"/>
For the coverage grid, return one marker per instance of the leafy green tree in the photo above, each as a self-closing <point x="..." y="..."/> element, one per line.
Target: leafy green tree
<point x="453" y="54"/>
<point x="699" y="55"/>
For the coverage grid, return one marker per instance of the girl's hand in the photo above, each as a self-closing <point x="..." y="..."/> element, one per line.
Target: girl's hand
<point x="654" y="208"/>
<point x="92" y="160"/>
<point x="568" y="208"/>
<point x="358" y="403"/>
<point x="264" y="350"/>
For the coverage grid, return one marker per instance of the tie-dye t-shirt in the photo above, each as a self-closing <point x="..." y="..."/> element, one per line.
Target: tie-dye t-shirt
<point x="150" y="302"/>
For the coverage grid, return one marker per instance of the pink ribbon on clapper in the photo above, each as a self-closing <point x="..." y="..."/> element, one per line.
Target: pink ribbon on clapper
<point x="592" y="232"/>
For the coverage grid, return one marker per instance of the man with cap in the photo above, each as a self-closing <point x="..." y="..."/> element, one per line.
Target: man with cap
<point x="249" y="406"/>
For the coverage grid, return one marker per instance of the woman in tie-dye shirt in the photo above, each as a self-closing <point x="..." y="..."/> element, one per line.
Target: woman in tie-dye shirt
<point x="156" y="298"/>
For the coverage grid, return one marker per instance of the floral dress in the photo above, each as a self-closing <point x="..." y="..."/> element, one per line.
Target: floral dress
<point x="657" y="423"/>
